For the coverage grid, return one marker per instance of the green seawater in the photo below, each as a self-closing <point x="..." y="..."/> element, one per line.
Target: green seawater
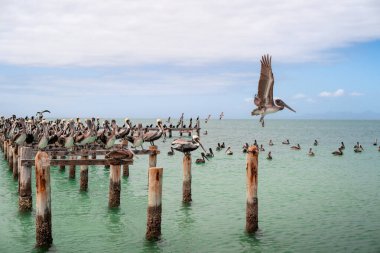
<point x="306" y="204"/>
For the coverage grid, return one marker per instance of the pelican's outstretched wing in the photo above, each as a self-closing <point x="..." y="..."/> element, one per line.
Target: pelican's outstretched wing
<point x="266" y="82"/>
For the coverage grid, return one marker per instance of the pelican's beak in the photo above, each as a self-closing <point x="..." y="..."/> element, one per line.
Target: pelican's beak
<point x="202" y="146"/>
<point x="287" y="106"/>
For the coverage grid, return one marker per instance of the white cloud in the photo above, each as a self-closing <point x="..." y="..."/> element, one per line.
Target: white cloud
<point x="337" y="93"/>
<point x="118" y="32"/>
<point x="356" y="94"/>
<point x="299" y="96"/>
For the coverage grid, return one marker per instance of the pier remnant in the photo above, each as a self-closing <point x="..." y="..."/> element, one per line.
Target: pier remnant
<point x="114" y="189"/>
<point x="44" y="236"/>
<point x="186" y="184"/>
<point x="25" y="180"/>
<point x="153" y="225"/>
<point x="252" y="200"/>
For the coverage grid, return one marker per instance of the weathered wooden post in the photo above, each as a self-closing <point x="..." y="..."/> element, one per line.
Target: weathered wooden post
<point x="44" y="236"/>
<point x="25" y="180"/>
<point x="62" y="167"/>
<point x="84" y="174"/>
<point x="198" y="127"/>
<point x="15" y="162"/>
<point x="252" y="201"/>
<point x="153" y="224"/>
<point x="114" y="189"/>
<point x="10" y="157"/>
<point x="126" y="170"/>
<point x="5" y="150"/>
<point x="72" y="168"/>
<point x="186" y="185"/>
<point x="170" y="133"/>
<point x="93" y="155"/>
<point x="153" y="156"/>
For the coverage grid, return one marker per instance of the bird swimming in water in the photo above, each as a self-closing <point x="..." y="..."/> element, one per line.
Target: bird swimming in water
<point x="262" y="147"/>
<point x="298" y="147"/>
<point x="229" y="151"/>
<point x="210" y="154"/>
<point x="315" y="143"/>
<point x="269" y="157"/>
<point x="223" y="145"/>
<point x="342" y="147"/>
<point x="201" y="160"/>
<point x="245" y="148"/>
<point x="264" y="99"/>
<point x="311" y="153"/>
<point x="218" y="148"/>
<point x="339" y="152"/>
<point x="286" y="142"/>
<point x="171" y="152"/>
<point x="270" y="143"/>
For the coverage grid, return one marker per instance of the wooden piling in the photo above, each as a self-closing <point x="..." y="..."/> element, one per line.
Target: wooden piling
<point x="153" y="225"/>
<point x="170" y="133"/>
<point x="43" y="201"/>
<point x="252" y="200"/>
<point x="126" y="170"/>
<point x="62" y="167"/>
<point x="84" y="175"/>
<point x="153" y="156"/>
<point x="186" y="185"/>
<point x="15" y="162"/>
<point x="114" y="189"/>
<point x="72" y="169"/>
<point x="5" y="150"/>
<point x="25" y="180"/>
<point x="10" y="157"/>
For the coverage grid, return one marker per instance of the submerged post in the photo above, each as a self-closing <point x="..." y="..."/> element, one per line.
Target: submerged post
<point x="25" y="180"/>
<point x="114" y="189"/>
<point x="153" y="224"/>
<point x="84" y="175"/>
<point x="186" y="185"/>
<point x="43" y="204"/>
<point x="252" y="201"/>
<point x="72" y="169"/>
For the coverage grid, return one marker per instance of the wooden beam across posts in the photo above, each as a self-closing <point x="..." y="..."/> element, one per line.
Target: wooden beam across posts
<point x="44" y="236"/>
<point x="25" y="180"/>
<point x="153" y="224"/>
<point x="186" y="184"/>
<point x="252" y="200"/>
<point x="78" y="162"/>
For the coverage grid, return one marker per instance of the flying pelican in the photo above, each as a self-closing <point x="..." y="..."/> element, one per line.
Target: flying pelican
<point x="311" y="153"/>
<point x="339" y="152"/>
<point x="186" y="146"/>
<point x="229" y="151"/>
<point x="264" y="99"/>
<point x="201" y="160"/>
<point x="40" y="115"/>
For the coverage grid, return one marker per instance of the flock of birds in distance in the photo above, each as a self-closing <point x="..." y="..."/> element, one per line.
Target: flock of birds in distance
<point x="72" y="134"/>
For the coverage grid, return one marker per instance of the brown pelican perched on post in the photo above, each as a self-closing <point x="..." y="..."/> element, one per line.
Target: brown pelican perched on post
<point x="186" y="146"/>
<point x="20" y="137"/>
<point x="152" y="136"/>
<point x="264" y="99"/>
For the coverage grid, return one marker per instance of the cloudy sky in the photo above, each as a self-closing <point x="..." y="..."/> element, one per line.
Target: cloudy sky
<point x="158" y="58"/>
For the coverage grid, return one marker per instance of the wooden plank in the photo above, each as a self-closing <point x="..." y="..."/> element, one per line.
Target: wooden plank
<point x="57" y="162"/>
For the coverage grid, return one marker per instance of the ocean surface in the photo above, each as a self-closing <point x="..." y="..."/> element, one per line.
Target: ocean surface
<point x="306" y="204"/>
